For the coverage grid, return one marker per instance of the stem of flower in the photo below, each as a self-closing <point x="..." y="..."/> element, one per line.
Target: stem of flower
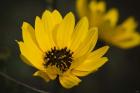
<point x="20" y="83"/>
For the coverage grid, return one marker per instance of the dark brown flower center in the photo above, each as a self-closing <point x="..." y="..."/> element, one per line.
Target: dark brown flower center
<point x="61" y="58"/>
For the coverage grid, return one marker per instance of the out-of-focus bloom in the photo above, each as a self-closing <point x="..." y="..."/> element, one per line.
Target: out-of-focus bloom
<point x="123" y="35"/>
<point x="56" y="47"/>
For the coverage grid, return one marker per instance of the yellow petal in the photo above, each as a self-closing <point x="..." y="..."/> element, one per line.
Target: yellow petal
<point x="69" y="80"/>
<point x="81" y="73"/>
<point x="101" y="6"/>
<point x="64" y="31"/>
<point x="52" y="72"/>
<point x="48" y="21"/>
<point x="129" y="24"/>
<point x="98" y="7"/>
<point x="120" y="35"/>
<point x="93" y="55"/>
<point x="88" y="44"/>
<point x="77" y="61"/>
<point x="82" y="7"/>
<point x="42" y="75"/>
<point x="112" y="17"/>
<point x="42" y="36"/>
<point x="98" y="53"/>
<point x="93" y="6"/>
<point x="130" y="42"/>
<point x="89" y="66"/>
<point x="32" y="53"/>
<point x="79" y="33"/>
<point x="28" y="34"/>
<point x="56" y="17"/>
<point x="34" y="57"/>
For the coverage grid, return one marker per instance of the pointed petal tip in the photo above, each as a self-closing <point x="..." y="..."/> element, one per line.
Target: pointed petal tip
<point x="18" y="42"/>
<point x="131" y="17"/>
<point x="105" y="59"/>
<point x="42" y="75"/>
<point x="56" y="11"/>
<point x="36" y="73"/>
<point x="115" y="10"/>
<point x="132" y="20"/>
<point x="107" y="47"/>
<point x="24" y="24"/>
<point x="70" y="14"/>
<point x="37" y="18"/>
<point x="85" y="19"/>
<point x="46" y="11"/>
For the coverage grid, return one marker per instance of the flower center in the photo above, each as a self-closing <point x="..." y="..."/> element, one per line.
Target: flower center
<point x="61" y="58"/>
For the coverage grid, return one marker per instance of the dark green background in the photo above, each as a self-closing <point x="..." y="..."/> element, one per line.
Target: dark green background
<point x="120" y="75"/>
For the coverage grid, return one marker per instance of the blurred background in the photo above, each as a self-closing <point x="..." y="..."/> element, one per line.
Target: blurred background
<point x="120" y="75"/>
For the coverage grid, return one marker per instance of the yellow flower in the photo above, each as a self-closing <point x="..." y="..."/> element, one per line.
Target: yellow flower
<point x="123" y="35"/>
<point x="56" y="47"/>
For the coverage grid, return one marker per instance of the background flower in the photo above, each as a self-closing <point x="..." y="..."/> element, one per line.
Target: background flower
<point x="123" y="35"/>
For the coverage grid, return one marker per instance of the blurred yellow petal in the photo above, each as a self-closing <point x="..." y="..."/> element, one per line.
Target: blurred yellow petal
<point x="112" y="17"/>
<point x="129" y="24"/>
<point x="106" y="22"/>
<point x="97" y="7"/>
<point x="102" y="6"/>
<point x="82" y="9"/>
<point x="132" y="41"/>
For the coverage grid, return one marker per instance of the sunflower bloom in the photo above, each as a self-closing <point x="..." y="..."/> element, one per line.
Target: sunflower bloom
<point x="123" y="35"/>
<point x="58" y="48"/>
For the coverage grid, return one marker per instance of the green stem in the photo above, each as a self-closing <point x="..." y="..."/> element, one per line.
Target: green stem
<point x="20" y="83"/>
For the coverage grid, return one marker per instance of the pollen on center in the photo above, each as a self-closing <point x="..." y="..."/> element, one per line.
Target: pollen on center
<point x="61" y="58"/>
